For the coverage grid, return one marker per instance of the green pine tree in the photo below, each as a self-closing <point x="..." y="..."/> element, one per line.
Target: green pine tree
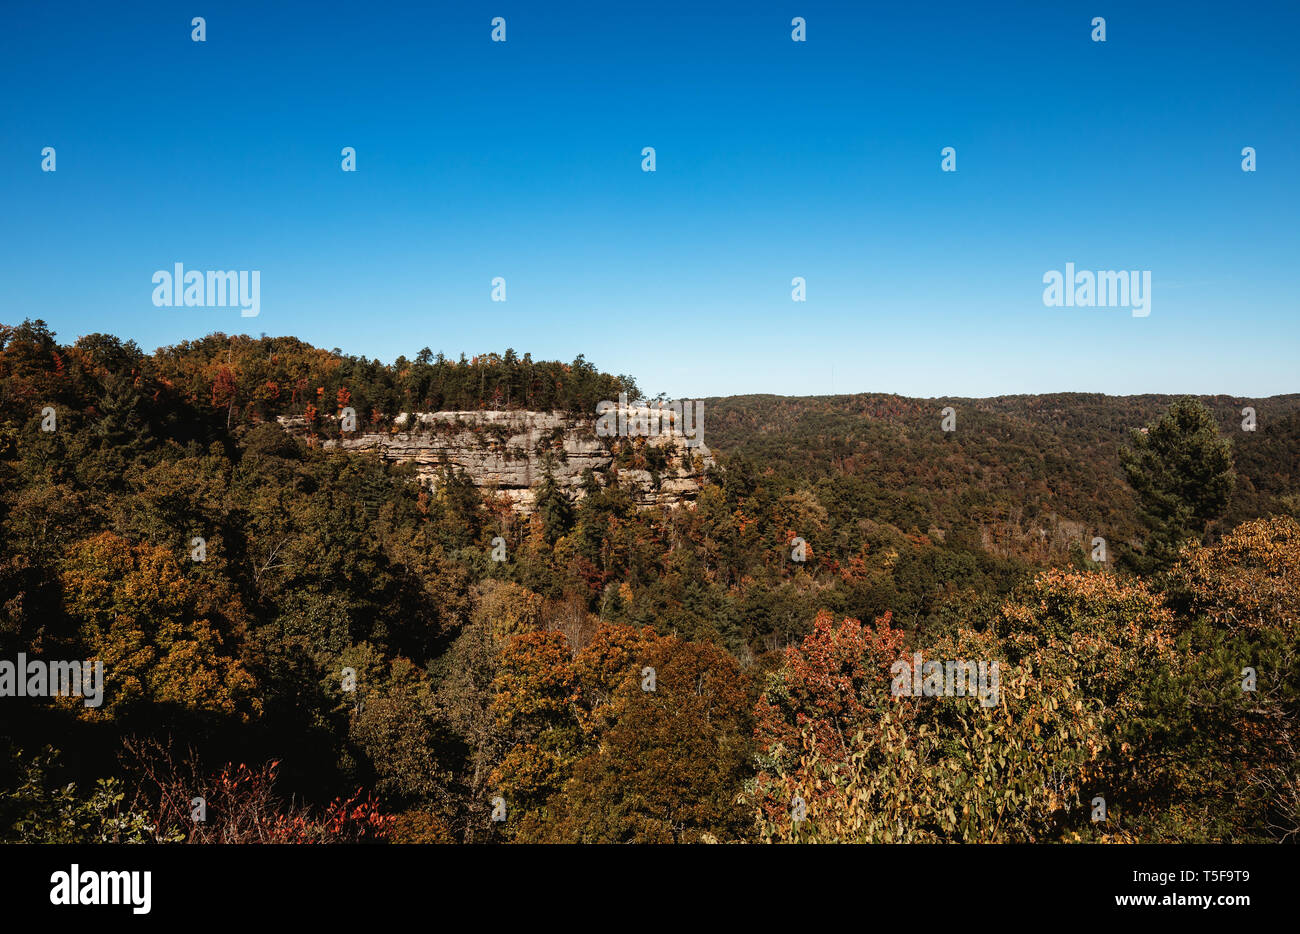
<point x="1182" y="472"/>
<point x="553" y="505"/>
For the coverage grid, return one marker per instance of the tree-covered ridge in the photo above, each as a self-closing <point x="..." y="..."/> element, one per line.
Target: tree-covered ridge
<point x="1014" y="467"/>
<point x="238" y="380"/>
<point x="231" y="576"/>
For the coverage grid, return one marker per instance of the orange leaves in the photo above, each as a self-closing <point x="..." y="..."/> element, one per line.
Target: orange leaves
<point x="598" y="755"/>
<point x="856" y="569"/>
<point x="534" y="691"/>
<point x="1249" y="580"/>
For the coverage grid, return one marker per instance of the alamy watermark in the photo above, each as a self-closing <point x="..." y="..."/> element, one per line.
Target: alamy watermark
<point x="651" y="421"/>
<point x="88" y="887"/>
<point x="952" y="678"/>
<point x="1102" y="289"/>
<point x="35" y="678"/>
<point x="212" y="289"/>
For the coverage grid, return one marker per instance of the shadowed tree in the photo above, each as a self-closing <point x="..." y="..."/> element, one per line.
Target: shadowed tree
<point x="1182" y="473"/>
<point x="553" y="505"/>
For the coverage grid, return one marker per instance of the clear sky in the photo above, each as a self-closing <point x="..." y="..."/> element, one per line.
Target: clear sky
<point x="775" y="159"/>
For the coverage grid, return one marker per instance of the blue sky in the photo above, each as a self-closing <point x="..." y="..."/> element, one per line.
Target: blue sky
<point x="775" y="159"/>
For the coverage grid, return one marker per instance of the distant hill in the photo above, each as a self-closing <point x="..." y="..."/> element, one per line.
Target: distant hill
<point x="1019" y="475"/>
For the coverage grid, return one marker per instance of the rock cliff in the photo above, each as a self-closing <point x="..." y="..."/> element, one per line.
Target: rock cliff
<point x="503" y="453"/>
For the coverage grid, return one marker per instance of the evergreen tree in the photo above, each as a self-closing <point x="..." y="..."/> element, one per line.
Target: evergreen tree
<point x="553" y="505"/>
<point x="1182" y="473"/>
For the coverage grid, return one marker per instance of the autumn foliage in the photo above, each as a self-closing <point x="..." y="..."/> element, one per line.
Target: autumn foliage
<point x="337" y="642"/>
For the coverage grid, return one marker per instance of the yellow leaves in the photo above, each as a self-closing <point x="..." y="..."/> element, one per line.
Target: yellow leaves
<point x="138" y="612"/>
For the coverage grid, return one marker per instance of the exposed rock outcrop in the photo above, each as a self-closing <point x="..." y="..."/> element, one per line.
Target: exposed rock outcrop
<point x="503" y="452"/>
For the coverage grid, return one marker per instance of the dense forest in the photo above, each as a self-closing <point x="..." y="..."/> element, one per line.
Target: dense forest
<point x="317" y="647"/>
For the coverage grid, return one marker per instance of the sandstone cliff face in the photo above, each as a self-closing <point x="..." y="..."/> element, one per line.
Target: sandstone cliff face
<point x="503" y="451"/>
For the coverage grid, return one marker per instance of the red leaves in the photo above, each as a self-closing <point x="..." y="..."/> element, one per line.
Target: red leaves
<point x="837" y="681"/>
<point x="355" y="819"/>
<point x="223" y="387"/>
<point x="241" y="805"/>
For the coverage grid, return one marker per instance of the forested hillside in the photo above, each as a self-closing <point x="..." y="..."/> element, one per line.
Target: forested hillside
<point x="1013" y="468"/>
<point x="324" y="648"/>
